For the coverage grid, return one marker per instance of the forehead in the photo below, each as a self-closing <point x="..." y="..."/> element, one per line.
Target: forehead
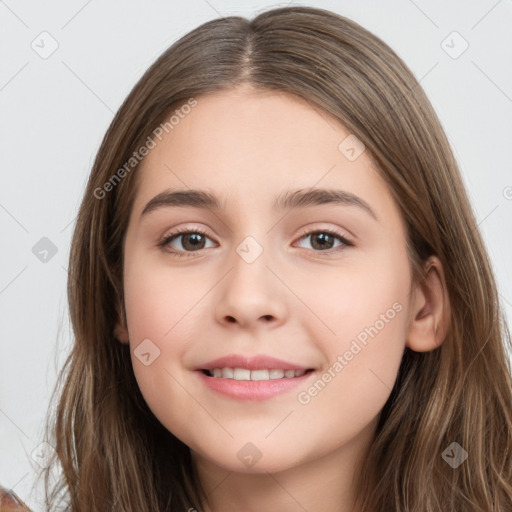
<point x="251" y="146"/>
<point x="236" y="124"/>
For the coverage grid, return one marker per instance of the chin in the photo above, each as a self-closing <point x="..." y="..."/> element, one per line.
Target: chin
<point x="250" y="459"/>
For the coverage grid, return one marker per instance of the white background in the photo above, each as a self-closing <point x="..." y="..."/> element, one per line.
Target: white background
<point x="55" y="112"/>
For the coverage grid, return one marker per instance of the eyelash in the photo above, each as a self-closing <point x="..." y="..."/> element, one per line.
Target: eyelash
<point x="184" y="254"/>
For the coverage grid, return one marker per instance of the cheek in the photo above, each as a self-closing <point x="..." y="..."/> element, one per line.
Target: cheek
<point x="366" y="310"/>
<point x="162" y="306"/>
<point x="366" y="299"/>
<point x="160" y="301"/>
<point x="150" y="317"/>
<point x="361" y="368"/>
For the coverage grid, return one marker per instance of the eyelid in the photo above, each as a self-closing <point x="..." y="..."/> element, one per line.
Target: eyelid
<point x="342" y="233"/>
<point x="174" y="233"/>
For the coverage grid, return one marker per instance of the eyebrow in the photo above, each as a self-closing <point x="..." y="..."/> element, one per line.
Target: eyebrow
<point x="291" y="199"/>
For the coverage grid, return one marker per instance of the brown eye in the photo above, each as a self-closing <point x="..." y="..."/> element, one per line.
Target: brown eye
<point x="185" y="241"/>
<point x="191" y="241"/>
<point x="323" y="240"/>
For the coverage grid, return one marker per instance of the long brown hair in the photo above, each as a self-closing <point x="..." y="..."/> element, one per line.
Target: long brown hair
<point x="114" y="453"/>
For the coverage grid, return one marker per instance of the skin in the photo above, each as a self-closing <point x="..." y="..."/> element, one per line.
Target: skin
<point x="292" y="302"/>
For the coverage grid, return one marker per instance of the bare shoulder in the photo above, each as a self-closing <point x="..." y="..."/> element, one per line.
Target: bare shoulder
<point x="10" y="502"/>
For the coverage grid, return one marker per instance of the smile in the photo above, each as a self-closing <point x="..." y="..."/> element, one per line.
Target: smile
<point x="242" y="384"/>
<point x="246" y="374"/>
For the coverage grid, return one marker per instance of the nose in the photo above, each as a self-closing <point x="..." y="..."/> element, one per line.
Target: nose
<point x="251" y="295"/>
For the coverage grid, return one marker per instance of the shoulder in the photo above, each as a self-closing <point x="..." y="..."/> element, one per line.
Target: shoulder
<point x="9" y="502"/>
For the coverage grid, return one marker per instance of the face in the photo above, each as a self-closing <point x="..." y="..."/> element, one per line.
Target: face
<point x="321" y="286"/>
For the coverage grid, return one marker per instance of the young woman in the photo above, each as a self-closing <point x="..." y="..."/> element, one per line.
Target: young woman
<point x="279" y="294"/>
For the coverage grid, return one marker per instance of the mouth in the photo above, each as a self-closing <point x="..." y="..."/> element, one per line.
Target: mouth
<point x="244" y="374"/>
<point x="252" y="377"/>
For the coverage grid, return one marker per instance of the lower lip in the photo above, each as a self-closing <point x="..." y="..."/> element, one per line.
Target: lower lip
<point x="252" y="389"/>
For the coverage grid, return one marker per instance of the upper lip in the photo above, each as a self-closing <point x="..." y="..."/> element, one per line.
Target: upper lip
<point x="258" y="362"/>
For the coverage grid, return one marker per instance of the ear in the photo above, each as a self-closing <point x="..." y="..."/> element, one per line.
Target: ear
<point x="430" y="311"/>
<point x="120" y="329"/>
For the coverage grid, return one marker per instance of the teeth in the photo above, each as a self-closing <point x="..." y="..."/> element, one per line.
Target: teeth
<point x="260" y="375"/>
<point x="227" y="373"/>
<point x="241" y="374"/>
<point x="245" y="374"/>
